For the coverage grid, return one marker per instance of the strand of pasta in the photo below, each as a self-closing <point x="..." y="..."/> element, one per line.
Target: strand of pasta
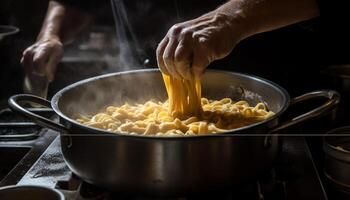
<point x="184" y="96"/>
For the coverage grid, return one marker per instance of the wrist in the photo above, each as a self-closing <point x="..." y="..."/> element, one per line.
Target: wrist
<point x="48" y="37"/>
<point x="236" y="19"/>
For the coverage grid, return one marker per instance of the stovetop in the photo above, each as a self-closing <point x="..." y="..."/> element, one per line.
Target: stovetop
<point x="35" y="158"/>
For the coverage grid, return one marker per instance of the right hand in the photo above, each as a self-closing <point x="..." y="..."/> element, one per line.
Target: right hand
<point x="42" y="57"/>
<point x="192" y="45"/>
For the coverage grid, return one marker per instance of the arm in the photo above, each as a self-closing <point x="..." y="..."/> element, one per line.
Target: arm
<point x="193" y="45"/>
<point x="61" y="24"/>
<point x="265" y="15"/>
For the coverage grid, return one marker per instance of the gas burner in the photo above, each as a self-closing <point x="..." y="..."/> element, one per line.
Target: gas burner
<point x="21" y="144"/>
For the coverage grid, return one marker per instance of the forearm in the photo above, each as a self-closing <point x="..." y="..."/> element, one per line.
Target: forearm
<point x="62" y="22"/>
<point x="256" y="16"/>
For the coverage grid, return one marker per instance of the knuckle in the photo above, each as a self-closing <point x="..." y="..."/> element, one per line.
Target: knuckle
<point x="203" y="43"/>
<point x="202" y="40"/>
<point x="186" y="33"/>
<point x="58" y="45"/>
<point x="25" y="54"/>
<point x="28" y="51"/>
<point x="175" y="30"/>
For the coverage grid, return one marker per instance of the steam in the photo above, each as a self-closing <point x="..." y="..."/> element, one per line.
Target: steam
<point x="126" y="57"/>
<point x="129" y="56"/>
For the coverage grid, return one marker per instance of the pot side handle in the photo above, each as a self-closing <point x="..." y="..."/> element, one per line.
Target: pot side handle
<point x="333" y="100"/>
<point x="42" y="121"/>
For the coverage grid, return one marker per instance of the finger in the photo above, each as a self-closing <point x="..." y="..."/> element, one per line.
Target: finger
<point x="40" y="61"/>
<point x="27" y="60"/>
<point x="199" y="64"/>
<point x="160" y="51"/>
<point x="183" y="60"/>
<point x="168" y="57"/>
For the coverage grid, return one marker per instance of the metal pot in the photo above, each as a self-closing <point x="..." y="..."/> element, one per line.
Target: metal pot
<point x="336" y="145"/>
<point x="30" y="192"/>
<point x="168" y="165"/>
<point x="340" y="75"/>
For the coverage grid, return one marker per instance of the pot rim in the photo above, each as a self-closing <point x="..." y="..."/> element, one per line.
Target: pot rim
<point x="332" y="149"/>
<point x="57" y="192"/>
<point x="55" y="99"/>
<point x="341" y="154"/>
<point x="333" y="71"/>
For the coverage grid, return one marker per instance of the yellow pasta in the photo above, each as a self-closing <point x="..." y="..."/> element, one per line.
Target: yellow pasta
<point x="185" y="113"/>
<point x="184" y="96"/>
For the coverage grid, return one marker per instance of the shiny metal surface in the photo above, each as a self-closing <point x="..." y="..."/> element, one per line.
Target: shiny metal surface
<point x="36" y="85"/>
<point x="337" y="158"/>
<point x="293" y="165"/>
<point x="30" y="192"/>
<point x="162" y="165"/>
<point x="333" y="100"/>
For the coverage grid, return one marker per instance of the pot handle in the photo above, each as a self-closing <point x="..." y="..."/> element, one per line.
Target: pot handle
<point x="41" y="121"/>
<point x="333" y="99"/>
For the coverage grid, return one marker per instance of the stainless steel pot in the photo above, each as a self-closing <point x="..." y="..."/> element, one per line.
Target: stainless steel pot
<point x="30" y="192"/>
<point x="340" y="76"/>
<point x="336" y="145"/>
<point x="168" y="165"/>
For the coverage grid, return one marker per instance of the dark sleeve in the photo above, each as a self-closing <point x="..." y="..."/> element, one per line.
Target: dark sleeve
<point x="335" y="17"/>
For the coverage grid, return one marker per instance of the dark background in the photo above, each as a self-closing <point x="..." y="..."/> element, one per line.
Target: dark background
<point x="292" y="56"/>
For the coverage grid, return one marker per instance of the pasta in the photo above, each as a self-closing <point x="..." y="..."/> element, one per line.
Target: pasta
<point x="184" y="96"/>
<point x="185" y="113"/>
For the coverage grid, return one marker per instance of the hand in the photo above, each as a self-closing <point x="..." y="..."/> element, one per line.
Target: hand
<point x="192" y="45"/>
<point x="43" y="57"/>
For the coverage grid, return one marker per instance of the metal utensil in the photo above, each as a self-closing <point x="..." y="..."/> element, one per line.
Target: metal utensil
<point x="36" y="85"/>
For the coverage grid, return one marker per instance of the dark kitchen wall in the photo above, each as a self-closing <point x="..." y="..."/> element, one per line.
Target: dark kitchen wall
<point x="289" y="56"/>
<point x="27" y="15"/>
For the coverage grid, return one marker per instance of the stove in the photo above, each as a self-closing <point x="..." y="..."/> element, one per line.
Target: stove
<point x="21" y="144"/>
<point x="31" y="155"/>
